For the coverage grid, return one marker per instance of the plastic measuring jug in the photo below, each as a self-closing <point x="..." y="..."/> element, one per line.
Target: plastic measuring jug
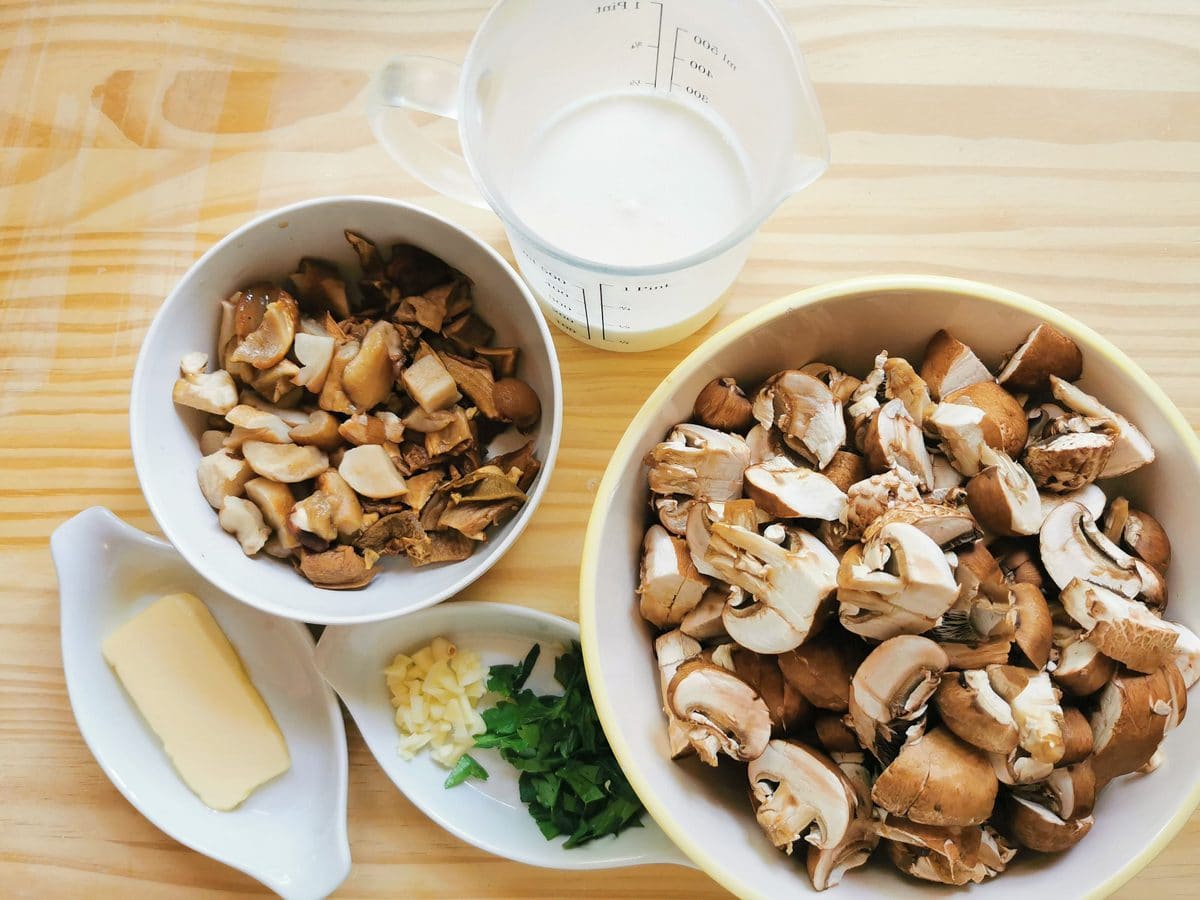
<point x="631" y="149"/>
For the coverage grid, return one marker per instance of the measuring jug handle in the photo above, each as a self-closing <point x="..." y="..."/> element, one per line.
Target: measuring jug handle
<point x="425" y="84"/>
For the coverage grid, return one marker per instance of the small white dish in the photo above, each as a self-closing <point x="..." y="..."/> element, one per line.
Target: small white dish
<point x="488" y="814"/>
<point x="290" y="834"/>
<point x="164" y="437"/>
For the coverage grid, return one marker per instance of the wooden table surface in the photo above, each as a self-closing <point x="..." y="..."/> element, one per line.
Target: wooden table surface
<point x="1049" y="147"/>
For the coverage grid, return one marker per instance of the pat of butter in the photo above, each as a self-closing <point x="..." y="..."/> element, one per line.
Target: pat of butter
<point x="190" y="686"/>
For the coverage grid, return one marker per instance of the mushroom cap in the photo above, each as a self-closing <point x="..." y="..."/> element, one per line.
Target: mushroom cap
<point x="1073" y="547"/>
<point x="800" y="793"/>
<point x="269" y="342"/>
<point x="1077" y="737"/>
<point x="894" y="441"/>
<point x="947" y="855"/>
<point x="948" y="527"/>
<point x="1005" y="426"/>
<point x="250" y="424"/>
<point x="285" y="463"/>
<point x="1122" y="629"/>
<point x="1082" y="669"/>
<point x="787" y="491"/>
<point x="320" y="431"/>
<point x="671" y="650"/>
<point x="1131" y="451"/>
<point x="1034" y="629"/>
<point x="721" y="712"/>
<point x="338" y="569"/>
<point x="950" y="365"/>
<point x="1045" y="351"/>
<point x="1003" y="497"/>
<point x="870" y="498"/>
<point x="806" y="413"/>
<point x="890" y="690"/>
<point x="835" y="735"/>
<point x="1131" y="717"/>
<point x="821" y="668"/>
<point x="1036" y="827"/>
<point x="1145" y="537"/>
<point x="787" y="706"/>
<point x="275" y="501"/>
<point x="970" y="707"/>
<point x="938" y="779"/>
<point x="699" y="462"/>
<point x="788" y="587"/>
<point x="721" y="404"/>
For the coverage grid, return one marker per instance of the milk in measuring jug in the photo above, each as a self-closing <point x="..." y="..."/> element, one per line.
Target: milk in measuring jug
<point x="632" y="179"/>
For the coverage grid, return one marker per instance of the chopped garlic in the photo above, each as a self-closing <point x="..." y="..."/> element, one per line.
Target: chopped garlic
<point x="435" y="692"/>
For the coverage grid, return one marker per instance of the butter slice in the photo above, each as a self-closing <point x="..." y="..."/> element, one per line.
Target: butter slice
<point x="190" y="686"/>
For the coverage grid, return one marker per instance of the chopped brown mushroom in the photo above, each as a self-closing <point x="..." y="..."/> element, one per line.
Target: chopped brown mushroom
<point x="869" y="499"/>
<point x="894" y="441"/>
<point x="503" y="360"/>
<point x="722" y="405"/>
<point x="798" y="793"/>
<point x="699" y="462"/>
<point x="1045" y="351"/>
<point x="960" y="428"/>
<point x="722" y="714"/>
<point x="671" y="650"/>
<point x="1005" y="426"/>
<point x="821" y="668"/>
<point x="1120" y="628"/>
<point x="787" y="706"/>
<point x="1035" y="710"/>
<point x="784" y="490"/>
<point x="947" y="855"/>
<point x="1131" y="451"/>
<point x="1003" y="497"/>
<point x="670" y="585"/>
<point x="938" y="780"/>
<point x="890" y="692"/>
<point x="970" y="707"/>
<point x="1131" y="717"/>
<point x="805" y="412"/>
<point x="339" y="569"/>
<point x="950" y="365"/>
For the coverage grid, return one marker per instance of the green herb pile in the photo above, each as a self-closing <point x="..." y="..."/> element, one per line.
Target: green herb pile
<point x="569" y="778"/>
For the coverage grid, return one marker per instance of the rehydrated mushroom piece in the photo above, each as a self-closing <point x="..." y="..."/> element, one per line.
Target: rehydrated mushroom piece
<point x="1120" y="628"/>
<point x="938" y="779"/>
<point x="901" y="580"/>
<point x="894" y="441"/>
<point x="1073" y="547"/>
<point x="671" y="650"/>
<point x="799" y="793"/>
<point x="517" y="402"/>
<point x="339" y="569"/>
<point x="211" y="441"/>
<point x="320" y="288"/>
<point x="699" y="462"/>
<point x="481" y="498"/>
<point x="333" y="397"/>
<point x="722" y="405"/>
<point x="1131" y="717"/>
<point x="269" y="342"/>
<point x="429" y="384"/>
<point x="1131" y="451"/>
<point x="822" y="667"/>
<point x="1005" y="426"/>
<point x="1071" y="453"/>
<point x="890" y="692"/>
<point x="805" y="412"/>
<point x="287" y="463"/>
<point x="722" y="714"/>
<point x="787" y="587"/>
<point x="787" y="491"/>
<point x="970" y="707"/>
<point x="787" y="706"/>
<point x="1003" y="497"/>
<point x="1045" y="351"/>
<point x="867" y="500"/>
<point x="315" y="353"/>
<point x="320" y="431"/>
<point x="275" y="502"/>
<point x="474" y="379"/>
<point x="960" y="428"/>
<point x="250" y="424"/>
<point x="221" y="475"/>
<point x="947" y="855"/>
<point x="370" y="471"/>
<point x="396" y="534"/>
<point x="670" y="585"/>
<point x="1035" y="710"/>
<point x="346" y="512"/>
<point x="368" y="379"/>
<point x="950" y="365"/>
<point x="244" y="520"/>
<point x="212" y="392"/>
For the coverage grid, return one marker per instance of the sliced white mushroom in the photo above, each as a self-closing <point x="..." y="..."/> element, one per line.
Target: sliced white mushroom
<point x="784" y="490"/>
<point x="1120" y="628"/>
<point x="799" y="793"/>
<point x="286" y="463"/>
<point x="1091" y="498"/>
<point x="786" y="587"/>
<point x="670" y="585"/>
<point x="699" y="462"/>
<point x="370" y="471"/>
<point x="805" y="412"/>
<point x="315" y="353"/>
<point x="221" y="475"/>
<point x="722" y="714"/>
<point x="1132" y="449"/>
<point x="244" y="520"/>
<point x="1073" y="547"/>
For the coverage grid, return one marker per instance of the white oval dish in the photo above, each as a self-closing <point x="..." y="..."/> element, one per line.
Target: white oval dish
<point x="164" y="437"/>
<point x="289" y="834"/>
<point x="487" y="814"/>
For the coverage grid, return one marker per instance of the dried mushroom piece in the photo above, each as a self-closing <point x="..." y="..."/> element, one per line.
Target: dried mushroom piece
<point x="484" y="497"/>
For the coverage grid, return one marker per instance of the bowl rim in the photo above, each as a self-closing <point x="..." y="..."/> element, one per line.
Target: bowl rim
<point x="601" y="508"/>
<point x="205" y="567"/>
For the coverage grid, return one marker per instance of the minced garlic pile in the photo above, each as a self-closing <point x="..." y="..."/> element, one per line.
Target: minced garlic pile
<point x="435" y="692"/>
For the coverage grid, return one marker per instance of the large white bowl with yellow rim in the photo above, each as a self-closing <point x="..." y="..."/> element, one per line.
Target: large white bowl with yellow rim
<point x="705" y="811"/>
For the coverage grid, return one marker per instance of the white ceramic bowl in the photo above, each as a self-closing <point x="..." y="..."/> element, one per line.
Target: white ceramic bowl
<point x="164" y="436"/>
<point x="290" y="834"/>
<point x="707" y="813"/>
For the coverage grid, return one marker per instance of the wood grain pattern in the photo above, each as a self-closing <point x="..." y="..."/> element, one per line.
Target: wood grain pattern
<point x="1052" y="147"/>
